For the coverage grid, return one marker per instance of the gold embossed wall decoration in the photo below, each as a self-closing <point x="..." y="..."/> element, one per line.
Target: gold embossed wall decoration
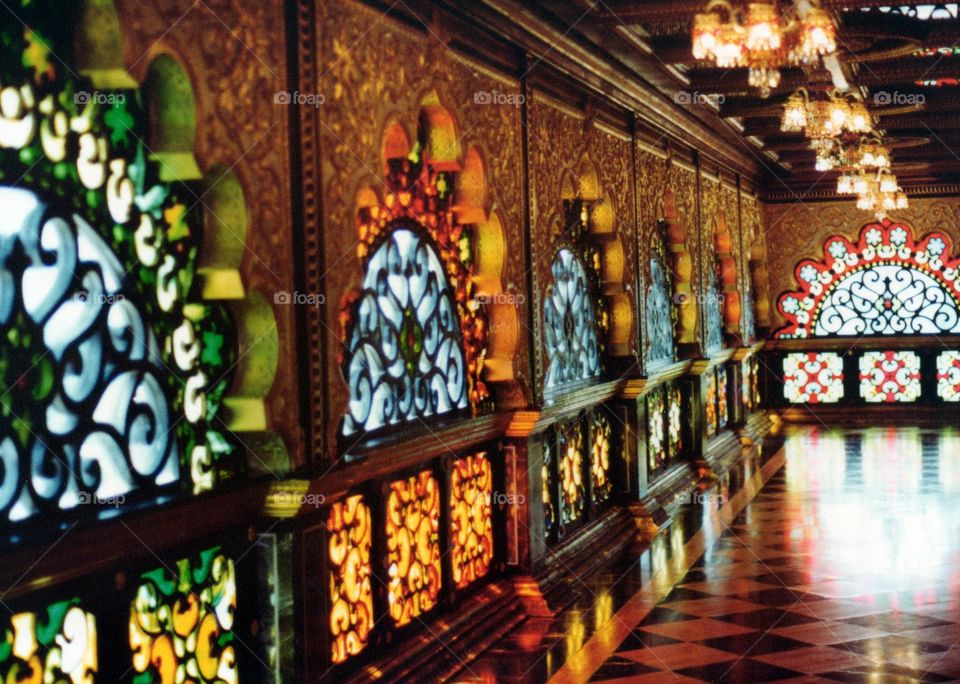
<point x="800" y="229"/>
<point x="386" y="79"/>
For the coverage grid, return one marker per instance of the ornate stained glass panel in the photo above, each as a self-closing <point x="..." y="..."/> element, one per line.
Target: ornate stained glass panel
<point x="812" y="378"/>
<point x="471" y="518"/>
<point x="948" y="375"/>
<point x="656" y="430"/>
<point x="572" y="490"/>
<point x="714" y="309"/>
<point x="601" y="434"/>
<point x="405" y="360"/>
<point x="349" y="539"/>
<point x="723" y="398"/>
<point x="549" y="487"/>
<point x="181" y="622"/>
<point x="660" y="316"/>
<point x="573" y="352"/>
<point x="675" y="420"/>
<point x="711" y="405"/>
<point x="413" y="546"/>
<point x="889" y="376"/>
<point x="746" y="385"/>
<point x="113" y="366"/>
<point x="888" y="283"/>
<point x="55" y="645"/>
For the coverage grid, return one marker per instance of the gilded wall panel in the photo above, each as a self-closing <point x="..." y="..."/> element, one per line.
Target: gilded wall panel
<point x="373" y="73"/>
<point x="799" y="230"/>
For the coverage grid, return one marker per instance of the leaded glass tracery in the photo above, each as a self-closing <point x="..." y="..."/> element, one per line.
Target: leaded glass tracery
<point x="573" y="351"/>
<point x="404" y="355"/>
<point x="714" y="310"/>
<point x="661" y="312"/>
<point x="56" y="645"/>
<point x="887" y="283"/>
<point x="115" y="367"/>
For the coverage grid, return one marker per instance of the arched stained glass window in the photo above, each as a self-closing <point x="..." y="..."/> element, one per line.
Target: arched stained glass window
<point x="404" y="355"/>
<point x="112" y="365"/>
<point x="887" y="283"/>
<point x="571" y="329"/>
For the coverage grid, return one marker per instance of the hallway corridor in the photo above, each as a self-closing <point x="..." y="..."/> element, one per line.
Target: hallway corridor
<point x="844" y="567"/>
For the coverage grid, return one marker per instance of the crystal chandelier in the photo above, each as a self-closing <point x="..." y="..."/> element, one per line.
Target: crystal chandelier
<point x="830" y="118"/>
<point x="867" y="175"/>
<point x="762" y="39"/>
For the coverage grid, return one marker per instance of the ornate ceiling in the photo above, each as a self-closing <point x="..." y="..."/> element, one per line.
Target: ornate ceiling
<point x="902" y="60"/>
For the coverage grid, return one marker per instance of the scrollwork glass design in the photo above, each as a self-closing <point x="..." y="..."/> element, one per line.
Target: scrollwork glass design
<point x="888" y="283"/>
<point x="573" y="352"/>
<point x="660" y="315"/>
<point x="711" y="406"/>
<point x="350" y="537"/>
<point x="889" y="376"/>
<point x="58" y="645"/>
<point x="413" y="547"/>
<point x="181" y="623"/>
<point x="713" y="305"/>
<point x="656" y="430"/>
<point x="601" y="434"/>
<point x="948" y="376"/>
<point x="471" y="519"/>
<point x="572" y="490"/>
<point x="115" y="367"/>
<point x="404" y="355"/>
<point x="812" y="378"/>
<point x="675" y="420"/>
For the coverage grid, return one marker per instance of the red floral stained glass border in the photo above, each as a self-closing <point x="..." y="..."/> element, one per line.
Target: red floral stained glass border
<point x="883" y="243"/>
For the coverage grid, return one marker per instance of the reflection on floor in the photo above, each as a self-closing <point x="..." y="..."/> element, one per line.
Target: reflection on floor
<point x="844" y="567"/>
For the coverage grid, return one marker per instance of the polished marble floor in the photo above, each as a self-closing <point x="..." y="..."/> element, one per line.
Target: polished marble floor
<point x="840" y="563"/>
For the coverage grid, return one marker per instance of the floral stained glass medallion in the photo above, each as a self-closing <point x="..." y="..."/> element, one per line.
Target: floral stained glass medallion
<point x="114" y="364"/>
<point x="948" y="375"/>
<point x="812" y="378"/>
<point x="57" y="645"/>
<point x="889" y="376"/>
<point x="471" y="518"/>
<point x="573" y="351"/>
<point x="656" y="430"/>
<point x="350" y="537"/>
<point x="413" y="547"/>
<point x="572" y="490"/>
<point x="181" y="622"/>
<point x="601" y="433"/>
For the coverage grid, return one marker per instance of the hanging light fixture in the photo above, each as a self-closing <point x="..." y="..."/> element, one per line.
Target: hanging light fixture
<point x="761" y="38"/>
<point x="837" y="115"/>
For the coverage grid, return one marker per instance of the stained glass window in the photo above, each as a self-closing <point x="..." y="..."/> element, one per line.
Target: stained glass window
<point x="723" y="398"/>
<point x="674" y="420"/>
<point x="414" y="334"/>
<point x="656" y="430"/>
<point x="58" y="645"/>
<point x="886" y="284"/>
<point x="405" y="359"/>
<point x="572" y="491"/>
<point x="114" y="366"/>
<point x="573" y="352"/>
<point x="889" y="376"/>
<point x="601" y="432"/>
<point x="660" y="313"/>
<point x="746" y="374"/>
<point x="549" y="487"/>
<point x="413" y="546"/>
<point x="711" y="407"/>
<point x="812" y="378"/>
<point x="181" y="623"/>
<point x="471" y="518"/>
<point x="350" y="537"/>
<point x="948" y="375"/>
<point x="714" y="311"/>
